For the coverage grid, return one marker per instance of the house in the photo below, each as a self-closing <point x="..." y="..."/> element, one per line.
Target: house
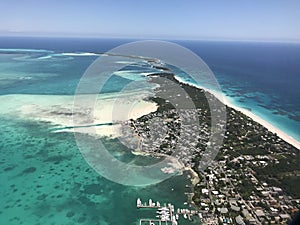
<point x="239" y="220"/>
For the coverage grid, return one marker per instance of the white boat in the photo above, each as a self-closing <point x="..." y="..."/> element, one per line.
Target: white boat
<point x="163" y="208"/>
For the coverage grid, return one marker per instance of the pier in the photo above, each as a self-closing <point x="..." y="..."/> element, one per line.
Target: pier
<point x="153" y="222"/>
<point x="151" y="204"/>
<point x="165" y="213"/>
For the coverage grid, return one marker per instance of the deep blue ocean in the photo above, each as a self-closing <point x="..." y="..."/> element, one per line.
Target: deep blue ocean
<point x="261" y="77"/>
<point x="44" y="178"/>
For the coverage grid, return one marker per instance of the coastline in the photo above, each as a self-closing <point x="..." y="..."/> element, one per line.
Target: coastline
<point x="58" y="111"/>
<point x="175" y="163"/>
<point x="266" y="124"/>
<point x="248" y="113"/>
<point x="194" y="176"/>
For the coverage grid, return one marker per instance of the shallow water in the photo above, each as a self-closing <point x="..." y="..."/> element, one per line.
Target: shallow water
<point x="47" y="181"/>
<point x="44" y="177"/>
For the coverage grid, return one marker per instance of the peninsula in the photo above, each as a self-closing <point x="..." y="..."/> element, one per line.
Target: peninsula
<point x="254" y="178"/>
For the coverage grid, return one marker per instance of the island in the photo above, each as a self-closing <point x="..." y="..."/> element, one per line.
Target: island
<point x="254" y="178"/>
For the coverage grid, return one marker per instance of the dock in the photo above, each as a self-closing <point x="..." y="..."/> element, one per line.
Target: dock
<point x="151" y="204"/>
<point x="165" y="213"/>
<point x="153" y="222"/>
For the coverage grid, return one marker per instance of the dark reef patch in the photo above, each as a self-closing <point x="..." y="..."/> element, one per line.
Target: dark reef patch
<point x="92" y="189"/>
<point x="70" y="214"/>
<point x="29" y="170"/>
<point x="81" y="219"/>
<point x="58" y="158"/>
<point x="41" y="197"/>
<point x="8" y="168"/>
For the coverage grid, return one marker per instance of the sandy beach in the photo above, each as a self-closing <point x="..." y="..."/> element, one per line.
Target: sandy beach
<point x="59" y="109"/>
<point x="266" y="124"/>
<point x="194" y="176"/>
<point x="250" y="114"/>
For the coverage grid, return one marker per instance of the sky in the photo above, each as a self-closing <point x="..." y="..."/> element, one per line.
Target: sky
<point x="273" y="20"/>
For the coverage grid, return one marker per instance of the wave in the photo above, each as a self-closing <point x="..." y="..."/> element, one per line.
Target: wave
<point x="24" y="50"/>
<point x="80" y="54"/>
<point x="45" y="57"/>
<point x="43" y="54"/>
<point x="134" y="75"/>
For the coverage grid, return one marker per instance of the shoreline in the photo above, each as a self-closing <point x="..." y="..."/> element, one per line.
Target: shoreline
<point x="194" y="176"/>
<point x="175" y="163"/>
<point x="266" y="124"/>
<point x="226" y="101"/>
<point x="58" y="110"/>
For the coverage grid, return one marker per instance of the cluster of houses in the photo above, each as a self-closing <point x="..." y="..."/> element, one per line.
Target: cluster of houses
<point x="220" y="195"/>
<point x="178" y="133"/>
<point x="224" y="198"/>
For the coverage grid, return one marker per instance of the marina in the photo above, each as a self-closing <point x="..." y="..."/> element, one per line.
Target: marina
<point x="153" y="222"/>
<point x="165" y="213"/>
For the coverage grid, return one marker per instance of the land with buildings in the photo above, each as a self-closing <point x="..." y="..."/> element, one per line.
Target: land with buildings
<point x="254" y="178"/>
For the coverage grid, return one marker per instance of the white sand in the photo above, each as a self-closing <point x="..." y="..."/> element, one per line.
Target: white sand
<point x="266" y="124"/>
<point x="248" y="113"/>
<point x="59" y="109"/>
<point x="194" y="176"/>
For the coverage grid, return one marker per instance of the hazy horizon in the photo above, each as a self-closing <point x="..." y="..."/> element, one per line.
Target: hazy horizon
<point x="189" y="20"/>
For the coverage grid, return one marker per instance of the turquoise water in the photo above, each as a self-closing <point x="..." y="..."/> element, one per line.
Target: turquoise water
<point x="44" y="178"/>
<point x="269" y="108"/>
<point x="47" y="181"/>
<point x="259" y="76"/>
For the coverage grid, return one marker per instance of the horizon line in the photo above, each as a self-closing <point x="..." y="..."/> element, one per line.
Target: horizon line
<point x="213" y="39"/>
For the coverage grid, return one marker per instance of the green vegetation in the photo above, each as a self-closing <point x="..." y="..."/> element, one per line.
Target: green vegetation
<point x="248" y="148"/>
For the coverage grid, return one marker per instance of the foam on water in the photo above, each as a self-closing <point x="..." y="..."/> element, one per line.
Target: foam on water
<point x="80" y="54"/>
